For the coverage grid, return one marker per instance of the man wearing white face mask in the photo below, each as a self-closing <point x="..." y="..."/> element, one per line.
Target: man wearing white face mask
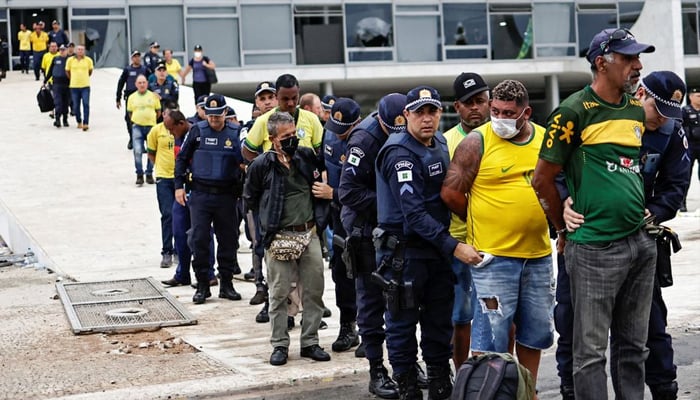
<point x="492" y="171"/>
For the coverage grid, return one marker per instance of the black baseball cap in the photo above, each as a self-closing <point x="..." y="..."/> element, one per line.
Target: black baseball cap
<point x="155" y="44"/>
<point x="613" y="40"/>
<point x="344" y="114"/>
<point x="197" y="47"/>
<point x="161" y="66"/>
<point x="467" y="85"/>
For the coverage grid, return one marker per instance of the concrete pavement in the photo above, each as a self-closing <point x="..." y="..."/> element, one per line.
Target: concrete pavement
<point x="70" y="196"/>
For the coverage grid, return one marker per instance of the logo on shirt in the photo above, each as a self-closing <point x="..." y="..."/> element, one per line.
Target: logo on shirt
<point x="356" y="155"/>
<point x="405" y="176"/>
<point x="638" y="132"/>
<point x="566" y="130"/>
<point x="506" y="169"/>
<point x="228" y="144"/>
<point x="301" y="133"/>
<point x="435" y="169"/>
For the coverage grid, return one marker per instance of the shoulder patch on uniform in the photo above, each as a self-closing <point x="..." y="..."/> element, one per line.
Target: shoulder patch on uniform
<point x="403" y="165"/>
<point x="356" y="150"/>
<point x="356" y="155"/>
<point x="405" y="176"/>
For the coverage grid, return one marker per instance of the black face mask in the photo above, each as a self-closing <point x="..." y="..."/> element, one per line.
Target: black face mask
<point x="289" y="145"/>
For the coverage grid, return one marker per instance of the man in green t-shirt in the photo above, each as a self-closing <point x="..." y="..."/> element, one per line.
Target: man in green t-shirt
<point x="594" y="136"/>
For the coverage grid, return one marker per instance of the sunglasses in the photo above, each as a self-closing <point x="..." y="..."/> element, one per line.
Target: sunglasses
<point x="620" y="34"/>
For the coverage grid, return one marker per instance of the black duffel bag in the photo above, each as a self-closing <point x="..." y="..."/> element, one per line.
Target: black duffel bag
<point x="45" y="99"/>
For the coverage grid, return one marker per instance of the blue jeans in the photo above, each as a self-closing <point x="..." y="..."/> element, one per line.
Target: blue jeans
<point x="36" y="62"/>
<point x="165" y="191"/>
<point x="139" y="134"/>
<point x="79" y="95"/>
<point x="181" y="224"/>
<point x="524" y="291"/>
<point x="24" y="59"/>
<point x="611" y="289"/>
<point x="465" y="297"/>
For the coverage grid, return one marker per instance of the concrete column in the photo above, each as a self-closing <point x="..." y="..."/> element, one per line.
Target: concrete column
<point x="551" y="91"/>
<point x="326" y="88"/>
<point x="661" y="24"/>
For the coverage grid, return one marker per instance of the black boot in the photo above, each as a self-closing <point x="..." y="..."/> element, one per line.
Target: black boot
<point x="347" y="337"/>
<point x="260" y="296"/>
<point x="380" y="384"/>
<point x="408" y="386"/>
<point x="439" y="382"/>
<point x="57" y="122"/>
<point x="202" y="293"/>
<point x="226" y="290"/>
<point x="422" y="379"/>
<point x="263" y="316"/>
<point x="664" y="391"/>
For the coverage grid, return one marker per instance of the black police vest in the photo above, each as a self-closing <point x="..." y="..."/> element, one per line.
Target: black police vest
<point x="334" y="157"/>
<point x="216" y="161"/>
<point x="653" y="150"/>
<point x="133" y="73"/>
<point x="59" y="70"/>
<point x="434" y="161"/>
<point x="165" y="91"/>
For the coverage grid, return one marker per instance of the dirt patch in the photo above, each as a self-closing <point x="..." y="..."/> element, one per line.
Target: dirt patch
<point x="41" y="357"/>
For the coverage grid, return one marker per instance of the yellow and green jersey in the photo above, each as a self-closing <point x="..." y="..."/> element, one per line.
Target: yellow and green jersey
<point x="504" y="216"/>
<point x="143" y="108"/>
<point x="598" y="144"/>
<point x="309" y="131"/>
<point x="161" y="143"/>
<point x="454" y="136"/>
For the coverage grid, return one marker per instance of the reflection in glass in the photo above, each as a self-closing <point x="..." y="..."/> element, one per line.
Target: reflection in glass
<point x="512" y="36"/>
<point x="312" y="23"/>
<point x="589" y="25"/>
<point x="105" y="41"/>
<point x="157" y="23"/>
<point x="629" y="12"/>
<point x="464" y="24"/>
<point x="554" y="27"/>
<point x="369" y="25"/>
<point x="98" y="11"/>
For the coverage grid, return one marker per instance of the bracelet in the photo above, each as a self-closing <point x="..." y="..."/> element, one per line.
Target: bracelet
<point x="561" y="231"/>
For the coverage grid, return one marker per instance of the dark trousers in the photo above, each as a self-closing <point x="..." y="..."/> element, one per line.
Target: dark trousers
<point x="433" y="294"/>
<point x="127" y="118"/>
<point x="61" y="100"/>
<point x="201" y="88"/>
<point x="345" y="297"/>
<point x="181" y="226"/>
<point x="24" y="60"/>
<point x="659" y="367"/>
<point x="36" y="63"/>
<point x="370" y="302"/>
<point x="220" y="210"/>
<point x="258" y="251"/>
<point x="165" y="192"/>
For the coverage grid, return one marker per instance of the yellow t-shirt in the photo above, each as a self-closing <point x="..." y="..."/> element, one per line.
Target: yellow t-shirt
<point x="454" y="136"/>
<point x="143" y="108"/>
<point x="309" y="131"/>
<point x="25" y="42"/>
<point x="39" y="42"/>
<point x="174" y="69"/>
<point x="504" y="217"/>
<point x="161" y="143"/>
<point x="80" y="71"/>
<point x="46" y="61"/>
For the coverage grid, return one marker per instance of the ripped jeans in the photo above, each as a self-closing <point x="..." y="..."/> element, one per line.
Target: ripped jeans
<point x="521" y="292"/>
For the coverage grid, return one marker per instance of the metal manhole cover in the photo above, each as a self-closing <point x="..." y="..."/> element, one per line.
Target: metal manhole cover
<point x="111" y="306"/>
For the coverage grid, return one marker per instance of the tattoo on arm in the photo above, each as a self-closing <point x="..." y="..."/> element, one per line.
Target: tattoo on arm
<point x="465" y="164"/>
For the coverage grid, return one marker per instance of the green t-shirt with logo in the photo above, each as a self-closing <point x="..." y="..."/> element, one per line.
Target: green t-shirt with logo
<point x="598" y="145"/>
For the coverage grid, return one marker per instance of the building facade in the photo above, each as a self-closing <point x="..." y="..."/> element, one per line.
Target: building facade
<point x="366" y="48"/>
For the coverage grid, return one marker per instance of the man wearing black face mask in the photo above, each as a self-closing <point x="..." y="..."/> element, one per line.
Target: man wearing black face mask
<point x="279" y="188"/>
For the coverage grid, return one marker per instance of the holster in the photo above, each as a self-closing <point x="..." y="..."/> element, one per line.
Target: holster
<point x="398" y="293"/>
<point x="348" y="255"/>
<point x="666" y="242"/>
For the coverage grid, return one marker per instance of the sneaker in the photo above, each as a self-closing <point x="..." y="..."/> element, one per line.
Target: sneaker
<point x="85" y="128"/>
<point x="149" y="179"/>
<point x="167" y="261"/>
<point x="139" y="180"/>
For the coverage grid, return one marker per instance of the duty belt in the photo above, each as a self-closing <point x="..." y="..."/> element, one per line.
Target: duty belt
<point x="300" y="228"/>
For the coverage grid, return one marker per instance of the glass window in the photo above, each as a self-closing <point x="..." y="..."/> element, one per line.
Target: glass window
<point x="157" y="23"/>
<point x="418" y="38"/>
<point x="590" y="23"/>
<point x="268" y="59"/>
<point x="369" y="32"/>
<point x="105" y="41"/>
<point x="97" y="11"/>
<point x="3" y="14"/>
<point x="690" y="32"/>
<point x="511" y="31"/>
<point x="466" y="31"/>
<point x="276" y="34"/>
<point x="554" y="29"/>
<point x="223" y="47"/>
<point x="211" y="10"/>
<point x="629" y="12"/>
<point x="312" y="23"/>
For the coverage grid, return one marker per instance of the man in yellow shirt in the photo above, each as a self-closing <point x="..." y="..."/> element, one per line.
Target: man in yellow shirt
<point x="47" y="58"/>
<point x="160" y="145"/>
<point x="172" y="65"/>
<point x="79" y="68"/>
<point x="25" y="47"/>
<point x="144" y="109"/>
<point x="40" y="41"/>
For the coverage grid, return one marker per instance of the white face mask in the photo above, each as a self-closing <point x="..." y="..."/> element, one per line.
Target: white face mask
<point x="506" y="128"/>
<point x="197" y="54"/>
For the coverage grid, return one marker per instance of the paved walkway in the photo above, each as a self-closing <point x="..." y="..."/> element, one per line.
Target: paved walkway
<point x="73" y="195"/>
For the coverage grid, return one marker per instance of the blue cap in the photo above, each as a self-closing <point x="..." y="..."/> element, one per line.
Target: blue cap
<point x="613" y="40"/>
<point x="265" y="86"/>
<point x="422" y="95"/>
<point x="390" y="111"/>
<point x="215" y="105"/>
<point x="201" y="100"/>
<point x="668" y="91"/>
<point x="344" y="114"/>
<point x="230" y="112"/>
<point x="327" y="101"/>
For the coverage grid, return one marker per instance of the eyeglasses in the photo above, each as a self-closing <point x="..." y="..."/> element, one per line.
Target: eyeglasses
<point x="620" y="34"/>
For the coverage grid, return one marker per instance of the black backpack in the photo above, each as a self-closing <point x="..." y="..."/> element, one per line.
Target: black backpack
<point x="493" y="376"/>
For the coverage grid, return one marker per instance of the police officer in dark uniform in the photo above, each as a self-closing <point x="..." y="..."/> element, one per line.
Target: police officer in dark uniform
<point x="199" y="115"/>
<point x="414" y="247"/>
<point x="357" y="193"/>
<point x="664" y="168"/>
<point x="691" y="125"/>
<point x="152" y="58"/>
<point x="128" y="79"/>
<point x="61" y="93"/>
<point x="212" y="151"/>
<point x="167" y="89"/>
<point x="345" y="114"/>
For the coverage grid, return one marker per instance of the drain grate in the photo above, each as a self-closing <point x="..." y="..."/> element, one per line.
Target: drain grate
<point x="111" y="306"/>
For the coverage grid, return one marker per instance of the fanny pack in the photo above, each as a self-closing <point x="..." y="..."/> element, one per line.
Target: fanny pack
<point x="288" y="246"/>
